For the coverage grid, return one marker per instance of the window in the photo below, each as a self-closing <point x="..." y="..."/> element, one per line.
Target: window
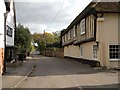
<point x="95" y="51"/>
<point x="114" y="51"/>
<point x="9" y="31"/>
<point x="74" y="31"/>
<point x="63" y="39"/>
<point x="81" y="51"/>
<point x="66" y="37"/>
<point x="82" y="26"/>
<point x="69" y="34"/>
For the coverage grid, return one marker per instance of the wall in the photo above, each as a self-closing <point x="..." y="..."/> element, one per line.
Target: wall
<point x="115" y="64"/>
<point x="53" y="53"/>
<point x="10" y="23"/>
<point x="2" y="11"/>
<point x="88" y="50"/>
<point x="72" y="51"/>
<point x="107" y="34"/>
<point x="1" y="59"/>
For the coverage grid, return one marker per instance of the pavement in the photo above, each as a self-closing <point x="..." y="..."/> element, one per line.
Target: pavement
<point x="15" y="64"/>
<point x="16" y="72"/>
<point x="60" y="74"/>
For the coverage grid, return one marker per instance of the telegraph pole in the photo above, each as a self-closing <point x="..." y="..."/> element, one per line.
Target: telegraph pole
<point x="45" y="42"/>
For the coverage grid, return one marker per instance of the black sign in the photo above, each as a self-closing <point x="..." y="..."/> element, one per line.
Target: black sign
<point x="9" y="31"/>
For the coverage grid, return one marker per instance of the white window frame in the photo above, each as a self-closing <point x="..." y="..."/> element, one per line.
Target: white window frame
<point x="81" y="51"/>
<point x="95" y="52"/>
<point x="69" y="34"/>
<point x="113" y="59"/>
<point x="82" y="27"/>
<point x="74" y="33"/>
<point x="66" y="36"/>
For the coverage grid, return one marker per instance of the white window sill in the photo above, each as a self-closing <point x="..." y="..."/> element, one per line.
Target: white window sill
<point x="114" y="60"/>
<point x="74" y="35"/>
<point x="81" y="57"/>
<point x="82" y="33"/>
<point x="95" y="59"/>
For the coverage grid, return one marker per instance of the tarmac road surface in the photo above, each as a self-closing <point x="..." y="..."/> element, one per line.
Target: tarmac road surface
<point x="59" y="73"/>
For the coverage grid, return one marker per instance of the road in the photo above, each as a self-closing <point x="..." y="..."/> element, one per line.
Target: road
<point x="51" y="72"/>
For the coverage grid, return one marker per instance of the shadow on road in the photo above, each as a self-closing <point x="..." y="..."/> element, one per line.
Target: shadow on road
<point x="51" y="66"/>
<point x="45" y="67"/>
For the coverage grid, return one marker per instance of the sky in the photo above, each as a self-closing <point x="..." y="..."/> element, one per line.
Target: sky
<point x="48" y="15"/>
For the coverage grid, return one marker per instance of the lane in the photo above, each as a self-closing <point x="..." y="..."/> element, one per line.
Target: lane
<point x="53" y="72"/>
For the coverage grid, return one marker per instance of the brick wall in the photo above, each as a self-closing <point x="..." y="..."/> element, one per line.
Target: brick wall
<point x="53" y="53"/>
<point x="1" y="60"/>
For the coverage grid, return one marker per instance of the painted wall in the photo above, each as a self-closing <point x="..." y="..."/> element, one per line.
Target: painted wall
<point x="2" y="11"/>
<point x="72" y="51"/>
<point x="88" y="51"/>
<point x="75" y="52"/>
<point x="10" y="23"/>
<point x="107" y="35"/>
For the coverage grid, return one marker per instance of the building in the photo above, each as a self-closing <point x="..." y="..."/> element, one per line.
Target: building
<point x="7" y="31"/>
<point x="93" y="35"/>
<point x="10" y="33"/>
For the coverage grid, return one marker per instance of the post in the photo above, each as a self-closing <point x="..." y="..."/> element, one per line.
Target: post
<point x="45" y="42"/>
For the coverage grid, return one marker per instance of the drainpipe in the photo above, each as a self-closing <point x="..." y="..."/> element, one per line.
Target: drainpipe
<point x="100" y="40"/>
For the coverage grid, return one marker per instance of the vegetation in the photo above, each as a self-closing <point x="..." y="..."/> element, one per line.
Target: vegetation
<point x="26" y="43"/>
<point x="23" y="39"/>
<point x="47" y="40"/>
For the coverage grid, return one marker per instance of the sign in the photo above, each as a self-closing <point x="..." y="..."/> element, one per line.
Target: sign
<point x="9" y="31"/>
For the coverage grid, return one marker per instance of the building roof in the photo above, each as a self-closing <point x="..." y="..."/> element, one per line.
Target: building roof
<point x="107" y="7"/>
<point x="97" y="7"/>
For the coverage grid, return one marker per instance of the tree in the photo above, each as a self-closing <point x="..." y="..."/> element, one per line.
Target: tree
<point x="23" y="39"/>
<point x="57" y="39"/>
<point x="38" y="38"/>
<point x="47" y="40"/>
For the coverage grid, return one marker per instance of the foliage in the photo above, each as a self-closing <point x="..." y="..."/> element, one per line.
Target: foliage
<point x="38" y="38"/>
<point x="23" y="39"/>
<point x="57" y="39"/>
<point x="47" y="40"/>
<point x="56" y="36"/>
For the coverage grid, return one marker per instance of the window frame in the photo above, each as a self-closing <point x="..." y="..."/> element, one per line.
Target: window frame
<point x="66" y="37"/>
<point x="95" y="52"/>
<point x="114" y="59"/>
<point x="63" y="39"/>
<point x="69" y="34"/>
<point x="74" y="31"/>
<point x="81" y="51"/>
<point x="83" y="26"/>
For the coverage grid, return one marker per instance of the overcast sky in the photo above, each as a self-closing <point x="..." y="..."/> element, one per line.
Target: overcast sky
<point x="49" y="15"/>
